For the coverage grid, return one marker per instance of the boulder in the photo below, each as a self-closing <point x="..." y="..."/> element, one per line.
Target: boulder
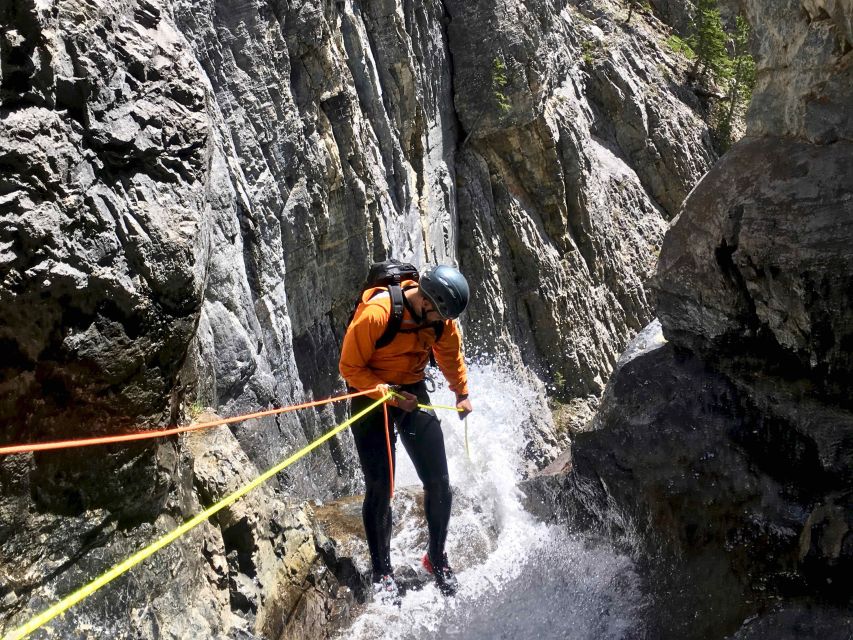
<point x="715" y="488"/>
<point x="755" y="273"/>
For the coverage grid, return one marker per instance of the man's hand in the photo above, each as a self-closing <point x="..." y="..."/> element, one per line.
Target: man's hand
<point x="408" y="402"/>
<point x="464" y="406"/>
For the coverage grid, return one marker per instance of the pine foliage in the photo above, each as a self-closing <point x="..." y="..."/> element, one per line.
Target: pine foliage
<point x="740" y="84"/>
<point x="499" y="83"/>
<point x="721" y="59"/>
<point x="709" y="41"/>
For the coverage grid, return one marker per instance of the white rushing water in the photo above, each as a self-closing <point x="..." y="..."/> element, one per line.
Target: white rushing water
<point x="518" y="578"/>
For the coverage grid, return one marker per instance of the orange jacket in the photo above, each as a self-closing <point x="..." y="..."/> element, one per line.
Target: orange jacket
<point x="402" y="361"/>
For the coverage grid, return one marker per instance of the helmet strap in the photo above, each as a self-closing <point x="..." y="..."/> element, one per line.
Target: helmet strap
<point x="419" y="319"/>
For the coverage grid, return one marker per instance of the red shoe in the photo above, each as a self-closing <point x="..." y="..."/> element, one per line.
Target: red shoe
<point x="427" y="564"/>
<point x="445" y="579"/>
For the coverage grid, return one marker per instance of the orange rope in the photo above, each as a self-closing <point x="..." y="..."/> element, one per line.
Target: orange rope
<point x="85" y="442"/>
<point x="388" y="445"/>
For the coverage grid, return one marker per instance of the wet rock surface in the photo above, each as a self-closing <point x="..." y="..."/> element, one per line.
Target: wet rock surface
<point x="805" y="621"/>
<point x="709" y="486"/>
<point x="721" y="454"/>
<point x="190" y="194"/>
<point x="341" y="543"/>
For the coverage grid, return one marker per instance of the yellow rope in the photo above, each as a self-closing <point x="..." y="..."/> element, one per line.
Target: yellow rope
<point x="427" y="406"/>
<point x="438" y="406"/>
<point x="66" y="603"/>
<point x="443" y="406"/>
<point x="467" y="452"/>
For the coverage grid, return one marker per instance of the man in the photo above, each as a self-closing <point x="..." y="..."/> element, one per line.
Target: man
<point x="430" y="307"/>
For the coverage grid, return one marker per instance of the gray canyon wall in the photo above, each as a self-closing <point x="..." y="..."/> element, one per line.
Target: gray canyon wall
<point x="725" y="437"/>
<point x="190" y="195"/>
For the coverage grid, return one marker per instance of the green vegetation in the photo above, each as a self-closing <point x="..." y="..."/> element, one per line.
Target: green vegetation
<point x="195" y="409"/>
<point x="593" y="50"/>
<point x="499" y="83"/>
<point x="740" y="85"/>
<point x="680" y="46"/>
<point x="588" y="47"/>
<point x="559" y="381"/>
<point x="721" y="58"/>
<point x="709" y="42"/>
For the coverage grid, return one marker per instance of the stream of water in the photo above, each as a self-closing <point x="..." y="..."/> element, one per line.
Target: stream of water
<point x="518" y="578"/>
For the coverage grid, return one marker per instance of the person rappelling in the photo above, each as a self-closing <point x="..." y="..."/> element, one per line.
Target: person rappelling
<point x="400" y="322"/>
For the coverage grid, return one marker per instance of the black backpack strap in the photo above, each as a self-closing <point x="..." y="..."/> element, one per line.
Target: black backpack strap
<point x="438" y="327"/>
<point x="395" y="320"/>
<point x="415" y="315"/>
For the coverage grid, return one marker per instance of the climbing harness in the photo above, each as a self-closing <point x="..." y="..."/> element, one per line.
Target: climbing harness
<point x="388" y="433"/>
<point x="429" y="379"/>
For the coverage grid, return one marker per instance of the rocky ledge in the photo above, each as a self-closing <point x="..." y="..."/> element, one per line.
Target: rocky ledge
<point x="722" y="453"/>
<point x="265" y="567"/>
<point x="732" y="507"/>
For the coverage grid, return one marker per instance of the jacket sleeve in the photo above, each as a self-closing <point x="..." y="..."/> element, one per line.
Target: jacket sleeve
<point x="359" y="344"/>
<point x="448" y="356"/>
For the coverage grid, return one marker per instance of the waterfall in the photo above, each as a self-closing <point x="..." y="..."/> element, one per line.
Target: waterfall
<point x="519" y="578"/>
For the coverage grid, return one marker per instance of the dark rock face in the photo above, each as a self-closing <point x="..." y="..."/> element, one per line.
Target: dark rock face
<point x="719" y="484"/>
<point x="763" y="241"/>
<point x="804" y="69"/>
<point x="104" y="145"/>
<point x="806" y="622"/>
<point x="677" y="13"/>
<point x="725" y="453"/>
<point x="104" y="233"/>
<point x="757" y="266"/>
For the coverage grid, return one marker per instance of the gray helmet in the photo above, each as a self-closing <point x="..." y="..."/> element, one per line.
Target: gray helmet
<point x="446" y="288"/>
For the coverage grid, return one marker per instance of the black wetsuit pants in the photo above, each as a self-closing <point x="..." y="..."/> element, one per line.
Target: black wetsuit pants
<point x="421" y="434"/>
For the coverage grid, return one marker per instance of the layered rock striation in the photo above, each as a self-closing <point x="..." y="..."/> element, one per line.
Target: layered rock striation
<point x="577" y="149"/>
<point x="725" y="437"/>
<point x="191" y="192"/>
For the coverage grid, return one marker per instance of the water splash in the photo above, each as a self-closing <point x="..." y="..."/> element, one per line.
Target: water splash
<point x="518" y="578"/>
